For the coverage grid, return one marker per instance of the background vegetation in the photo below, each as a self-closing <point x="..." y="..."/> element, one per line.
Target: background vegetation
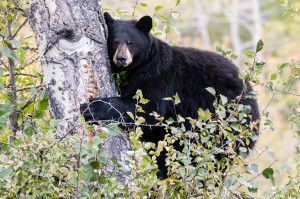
<point x="35" y="162"/>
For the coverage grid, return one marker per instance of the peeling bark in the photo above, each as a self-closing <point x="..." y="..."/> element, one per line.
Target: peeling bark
<point x="71" y="36"/>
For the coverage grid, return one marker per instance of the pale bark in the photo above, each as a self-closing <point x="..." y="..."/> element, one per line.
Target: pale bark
<point x="71" y="37"/>
<point x="256" y="22"/>
<point x="234" y="27"/>
<point x="202" y="21"/>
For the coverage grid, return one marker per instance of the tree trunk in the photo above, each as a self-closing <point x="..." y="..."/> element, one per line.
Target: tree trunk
<point x="234" y="27"/>
<point x="71" y="36"/>
<point x="202" y="21"/>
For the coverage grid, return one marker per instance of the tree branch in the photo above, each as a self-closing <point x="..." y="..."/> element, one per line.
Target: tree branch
<point x="20" y="27"/>
<point x="30" y="87"/>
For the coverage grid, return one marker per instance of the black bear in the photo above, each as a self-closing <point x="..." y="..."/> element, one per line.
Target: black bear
<point x="161" y="71"/>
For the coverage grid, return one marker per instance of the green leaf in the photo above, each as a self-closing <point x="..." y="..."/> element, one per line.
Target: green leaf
<point x="157" y="8"/>
<point x="176" y="30"/>
<point x="10" y="15"/>
<point x="130" y="115"/>
<point x="144" y="101"/>
<point x="219" y="49"/>
<point x="223" y="99"/>
<point x="178" y="1"/>
<point x="6" y="172"/>
<point x="177" y="99"/>
<point x="32" y="90"/>
<point x="272" y="180"/>
<point x="252" y="190"/>
<point x="53" y="122"/>
<point x="250" y="54"/>
<point x="245" y="182"/>
<point x="269" y="123"/>
<point x="270" y="151"/>
<point x="283" y="2"/>
<point x="211" y="90"/>
<point x="113" y="129"/>
<point x="285" y="166"/>
<point x="254" y="167"/>
<point x="273" y="76"/>
<point x="270" y="86"/>
<point x="4" y="3"/>
<point x="155" y="22"/>
<point x="42" y="106"/>
<point x="15" y="43"/>
<point x="120" y="11"/>
<point x="144" y="4"/>
<point x="168" y="98"/>
<point x="5" y="51"/>
<point x="139" y="93"/>
<point x="14" y="56"/>
<point x="234" y="126"/>
<point x="259" y="46"/>
<point x="243" y="149"/>
<point x="81" y="120"/>
<point x="268" y="172"/>
<point x="283" y="65"/>
<point x="175" y="14"/>
<point x="1" y="71"/>
<point x="44" y="95"/>
<point x="165" y="18"/>
<point x="95" y="164"/>
<point x="21" y="53"/>
<point x="234" y="56"/>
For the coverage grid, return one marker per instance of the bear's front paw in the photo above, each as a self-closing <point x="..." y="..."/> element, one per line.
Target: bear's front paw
<point x="91" y="111"/>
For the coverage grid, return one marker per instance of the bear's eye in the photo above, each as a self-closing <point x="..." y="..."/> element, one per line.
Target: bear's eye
<point x="129" y="43"/>
<point x="115" y="43"/>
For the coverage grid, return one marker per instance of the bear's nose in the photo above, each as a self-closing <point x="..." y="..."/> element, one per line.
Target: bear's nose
<point x="121" y="59"/>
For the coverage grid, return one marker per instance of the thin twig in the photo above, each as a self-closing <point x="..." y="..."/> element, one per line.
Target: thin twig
<point x="4" y="64"/>
<point x="9" y="145"/>
<point x="21" y="74"/>
<point x="30" y="101"/>
<point x="20" y="27"/>
<point x="26" y="64"/>
<point x="16" y="19"/>
<point x="30" y="87"/>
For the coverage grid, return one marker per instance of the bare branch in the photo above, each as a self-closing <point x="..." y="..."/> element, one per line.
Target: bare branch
<point x="30" y="87"/>
<point x="4" y="64"/>
<point x="20" y="27"/>
<point x="26" y="64"/>
<point x="22" y="74"/>
<point x="30" y="101"/>
<point x="17" y="17"/>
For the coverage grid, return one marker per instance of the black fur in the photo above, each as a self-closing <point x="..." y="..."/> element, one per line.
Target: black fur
<point x="160" y="71"/>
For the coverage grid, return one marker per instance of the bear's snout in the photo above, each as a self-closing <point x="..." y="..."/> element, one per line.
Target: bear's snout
<point x="121" y="60"/>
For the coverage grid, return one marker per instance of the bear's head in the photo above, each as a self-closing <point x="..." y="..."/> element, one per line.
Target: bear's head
<point x="129" y="41"/>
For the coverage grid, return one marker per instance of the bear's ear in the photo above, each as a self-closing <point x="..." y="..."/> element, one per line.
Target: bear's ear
<point x="145" y="24"/>
<point x="108" y="19"/>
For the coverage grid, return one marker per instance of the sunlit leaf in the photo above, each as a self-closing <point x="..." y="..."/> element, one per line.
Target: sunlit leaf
<point x="6" y="172"/>
<point x="158" y="7"/>
<point x="144" y="4"/>
<point x="15" y="43"/>
<point x="259" y="46"/>
<point x="250" y="54"/>
<point x="177" y="99"/>
<point x="211" y="90"/>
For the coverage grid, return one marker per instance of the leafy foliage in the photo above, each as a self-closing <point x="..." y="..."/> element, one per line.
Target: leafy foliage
<point x="36" y="163"/>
